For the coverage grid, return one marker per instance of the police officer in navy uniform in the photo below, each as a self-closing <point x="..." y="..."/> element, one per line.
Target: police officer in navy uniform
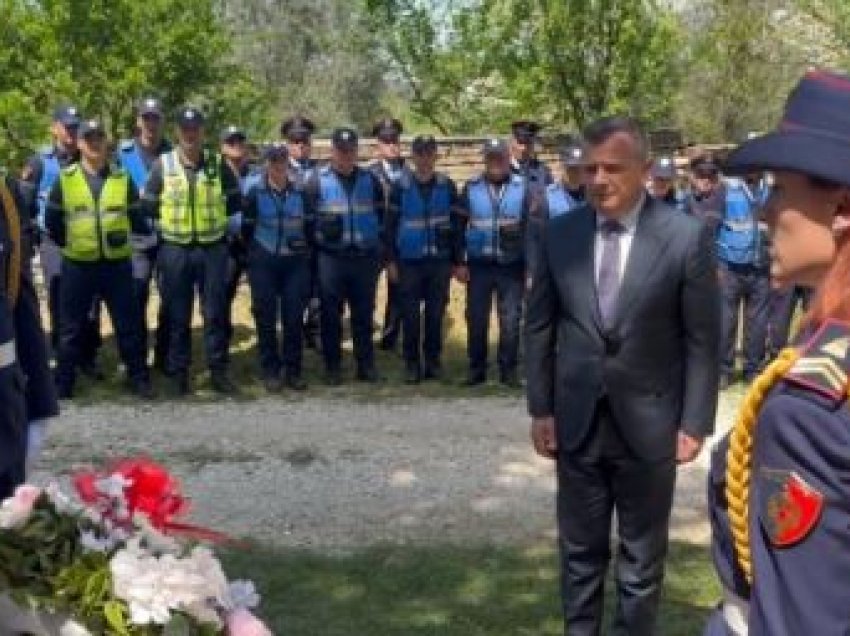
<point x="497" y="206"/>
<point x="706" y="196"/>
<point x="236" y="156"/>
<point x="37" y="179"/>
<point x="136" y="156"/>
<point x="278" y="232"/>
<point x="744" y="275"/>
<point x="567" y="193"/>
<point x="193" y="197"/>
<point x="297" y="131"/>
<point x="90" y="214"/>
<point x="779" y="494"/>
<point x="27" y="391"/>
<point x="662" y="182"/>
<point x="389" y="167"/>
<point x="524" y="161"/>
<point x="424" y="230"/>
<point x="348" y="204"/>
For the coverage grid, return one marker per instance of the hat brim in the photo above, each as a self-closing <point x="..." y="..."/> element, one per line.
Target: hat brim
<point x="795" y="151"/>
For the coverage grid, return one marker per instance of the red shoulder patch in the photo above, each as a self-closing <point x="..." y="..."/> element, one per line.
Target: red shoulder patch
<point x="789" y="508"/>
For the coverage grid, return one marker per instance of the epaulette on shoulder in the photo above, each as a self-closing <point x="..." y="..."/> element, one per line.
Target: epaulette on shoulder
<point x="824" y="362"/>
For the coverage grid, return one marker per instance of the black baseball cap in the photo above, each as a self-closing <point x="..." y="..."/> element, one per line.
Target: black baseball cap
<point x="344" y="138"/>
<point x="67" y="115"/>
<point x="149" y="106"/>
<point x="704" y="166"/>
<point x="525" y="130"/>
<point x="91" y="128"/>
<point x="423" y="143"/>
<point x="233" y="133"/>
<point x="275" y="152"/>
<point x="388" y="129"/>
<point x="297" y="128"/>
<point x="813" y="136"/>
<point x="494" y="146"/>
<point x="190" y="116"/>
<point x="573" y="155"/>
<point x="664" y="167"/>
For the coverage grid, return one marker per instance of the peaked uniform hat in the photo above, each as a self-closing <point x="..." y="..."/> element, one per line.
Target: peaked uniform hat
<point x="813" y="137"/>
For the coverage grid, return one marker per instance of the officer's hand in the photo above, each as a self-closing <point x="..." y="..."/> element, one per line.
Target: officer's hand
<point x="543" y="437"/>
<point x="461" y="274"/>
<point x="392" y="272"/>
<point x="688" y="448"/>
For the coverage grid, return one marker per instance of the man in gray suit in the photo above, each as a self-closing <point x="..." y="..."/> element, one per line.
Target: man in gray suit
<point x="622" y="344"/>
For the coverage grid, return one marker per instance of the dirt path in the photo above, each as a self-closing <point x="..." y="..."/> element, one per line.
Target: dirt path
<point x="337" y="475"/>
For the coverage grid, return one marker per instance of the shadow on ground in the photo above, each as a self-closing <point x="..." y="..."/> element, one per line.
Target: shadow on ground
<point x="449" y="591"/>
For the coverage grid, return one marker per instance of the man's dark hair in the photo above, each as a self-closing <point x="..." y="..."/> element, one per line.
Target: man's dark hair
<point x="603" y="129"/>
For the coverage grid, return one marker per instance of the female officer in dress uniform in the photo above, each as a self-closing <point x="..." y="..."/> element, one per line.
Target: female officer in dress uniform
<point x="780" y="484"/>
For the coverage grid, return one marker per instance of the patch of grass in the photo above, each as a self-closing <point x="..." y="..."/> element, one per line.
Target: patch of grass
<point x="244" y="366"/>
<point x="445" y="591"/>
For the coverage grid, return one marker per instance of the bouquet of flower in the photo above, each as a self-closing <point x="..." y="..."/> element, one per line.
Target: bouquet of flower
<point x="114" y="561"/>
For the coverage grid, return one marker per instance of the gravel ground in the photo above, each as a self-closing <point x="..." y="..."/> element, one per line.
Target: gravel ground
<point x="335" y="475"/>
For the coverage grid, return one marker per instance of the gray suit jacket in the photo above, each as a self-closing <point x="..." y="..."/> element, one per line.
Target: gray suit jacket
<point x="658" y="365"/>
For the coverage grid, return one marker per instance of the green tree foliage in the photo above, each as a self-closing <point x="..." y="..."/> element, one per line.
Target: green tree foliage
<point x="474" y="66"/>
<point x="741" y="65"/>
<point x="316" y="57"/>
<point x="103" y="55"/>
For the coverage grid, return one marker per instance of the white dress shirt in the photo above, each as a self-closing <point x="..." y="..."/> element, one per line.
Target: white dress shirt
<point x="629" y="223"/>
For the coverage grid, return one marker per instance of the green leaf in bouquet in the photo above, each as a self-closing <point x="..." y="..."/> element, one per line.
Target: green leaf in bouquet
<point x="116" y="617"/>
<point x="179" y="625"/>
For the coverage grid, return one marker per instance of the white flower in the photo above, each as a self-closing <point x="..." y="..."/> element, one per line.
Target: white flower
<point x="15" y="511"/>
<point x="152" y="538"/>
<point x="62" y="502"/>
<point x="243" y="595"/>
<point x="154" y="586"/>
<point x="102" y="542"/>
<point x="113" y="486"/>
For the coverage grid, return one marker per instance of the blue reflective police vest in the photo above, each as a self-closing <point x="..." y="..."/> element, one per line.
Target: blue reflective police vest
<point x="348" y="220"/>
<point x="424" y="229"/>
<point x="739" y="240"/>
<point x="495" y="231"/>
<point x="50" y="170"/>
<point x="279" y="227"/>
<point x="559" y="201"/>
<point x="130" y="158"/>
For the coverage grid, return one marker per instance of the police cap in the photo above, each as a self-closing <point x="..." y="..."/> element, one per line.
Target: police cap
<point x="664" y="167"/>
<point x="233" y="133"/>
<point x="493" y="147"/>
<point x="275" y="152"/>
<point x="344" y="138"/>
<point x="67" y="115"/>
<point x="149" y="106"/>
<point x="572" y="156"/>
<point x="190" y="116"/>
<point x="704" y="166"/>
<point x="388" y="129"/>
<point x="423" y="144"/>
<point x="92" y="128"/>
<point x="525" y="130"/>
<point x="297" y="128"/>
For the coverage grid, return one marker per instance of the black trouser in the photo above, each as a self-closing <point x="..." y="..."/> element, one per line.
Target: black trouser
<point x="144" y="269"/>
<point x="393" y="316"/>
<point x="51" y="261"/>
<point x="185" y="270"/>
<point x="507" y="284"/>
<point x="280" y="286"/>
<point x="601" y="476"/>
<point x="312" y="315"/>
<point x="351" y="278"/>
<point x="424" y="289"/>
<point x="783" y="304"/>
<point x="751" y="286"/>
<point x="236" y="265"/>
<point x="13" y="417"/>
<point x="82" y="283"/>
